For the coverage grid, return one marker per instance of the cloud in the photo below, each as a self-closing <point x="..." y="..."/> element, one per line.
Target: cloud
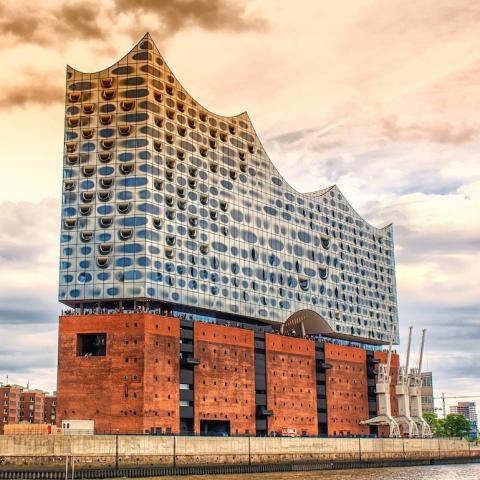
<point x="49" y="25"/>
<point x="33" y="88"/>
<point x="56" y="25"/>
<point x="440" y="132"/>
<point x="176" y="15"/>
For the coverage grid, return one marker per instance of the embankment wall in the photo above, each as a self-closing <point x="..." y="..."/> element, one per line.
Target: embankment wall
<point x="107" y="451"/>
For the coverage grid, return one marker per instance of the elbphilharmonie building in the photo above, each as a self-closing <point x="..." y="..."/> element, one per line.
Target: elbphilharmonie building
<point x="167" y="203"/>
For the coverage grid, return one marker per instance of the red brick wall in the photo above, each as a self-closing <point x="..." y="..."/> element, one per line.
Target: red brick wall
<point x="118" y="390"/>
<point x="347" y="390"/>
<point x="162" y="367"/>
<point x="11" y="403"/>
<point x="50" y="408"/>
<point x="291" y="384"/>
<point x="384" y="431"/>
<point x="225" y="377"/>
<point x="31" y="406"/>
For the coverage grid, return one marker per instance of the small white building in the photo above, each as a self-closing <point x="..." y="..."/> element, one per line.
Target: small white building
<point x="78" y="427"/>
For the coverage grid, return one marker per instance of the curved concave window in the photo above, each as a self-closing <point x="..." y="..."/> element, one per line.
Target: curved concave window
<point x="69" y="185"/>
<point x="103" y="262"/>
<point x="71" y="147"/>
<point x="88" y="171"/>
<point x="105" y="119"/>
<point x="325" y="241"/>
<point x="85" y="210"/>
<point x="105" y="248"/>
<point x="104" y="157"/>
<point x="107" y="82"/>
<point x="157" y="95"/>
<point x="157" y="223"/>
<point x="87" y="196"/>
<point x="157" y="146"/>
<point x="158" y="184"/>
<point x="106" y="222"/>
<point x="126" y="168"/>
<point x="323" y="272"/>
<point x="87" y="133"/>
<point x="304" y="283"/>
<point x="74" y="96"/>
<point x="73" y="122"/>
<point x="125" y="234"/>
<point x="108" y="94"/>
<point x="72" y="159"/>
<point x="106" y="182"/>
<point x="88" y="108"/>
<point x="204" y="248"/>
<point x="69" y="223"/>
<point x="170" y="214"/>
<point x="127" y="105"/>
<point x="125" y="130"/>
<point x="86" y="236"/>
<point x="169" y="252"/>
<point x="170" y="240"/>
<point x="104" y="196"/>
<point x="124" y="207"/>
<point x="107" y="144"/>
<point x="192" y="233"/>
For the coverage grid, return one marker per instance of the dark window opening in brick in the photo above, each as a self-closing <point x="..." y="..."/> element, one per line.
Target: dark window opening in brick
<point x="92" y="344"/>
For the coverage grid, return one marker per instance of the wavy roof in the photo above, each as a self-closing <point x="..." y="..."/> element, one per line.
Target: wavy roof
<point x="243" y="116"/>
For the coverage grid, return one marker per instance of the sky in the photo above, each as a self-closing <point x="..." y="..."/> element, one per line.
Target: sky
<point x="380" y="98"/>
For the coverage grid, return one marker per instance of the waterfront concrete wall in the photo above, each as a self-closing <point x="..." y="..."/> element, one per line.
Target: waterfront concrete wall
<point x="105" y="451"/>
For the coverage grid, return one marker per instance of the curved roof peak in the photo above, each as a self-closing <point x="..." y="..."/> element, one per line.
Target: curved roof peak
<point x="141" y="51"/>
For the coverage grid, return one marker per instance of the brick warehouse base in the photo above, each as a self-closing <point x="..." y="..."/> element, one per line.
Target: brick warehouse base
<point x="146" y="373"/>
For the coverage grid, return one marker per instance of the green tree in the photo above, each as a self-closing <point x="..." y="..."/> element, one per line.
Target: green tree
<point x="436" y="424"/>
<point x="456" y="426"/>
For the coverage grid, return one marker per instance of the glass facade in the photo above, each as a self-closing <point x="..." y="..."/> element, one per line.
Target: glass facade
<point x="164" y="200"/>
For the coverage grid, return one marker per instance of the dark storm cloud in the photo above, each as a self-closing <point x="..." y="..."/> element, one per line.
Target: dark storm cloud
<point x="92" y="21"/>
<point x="177" y="15"/>
<point x="34" y="23"/>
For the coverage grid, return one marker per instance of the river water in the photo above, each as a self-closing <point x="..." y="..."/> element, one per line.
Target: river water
<point x="434" y="472"/>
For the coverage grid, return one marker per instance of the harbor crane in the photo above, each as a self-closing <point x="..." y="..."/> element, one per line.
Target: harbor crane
<point x="415" y="393"/>
<point x="382" y="387"/>
<point x="403" y="396"/>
